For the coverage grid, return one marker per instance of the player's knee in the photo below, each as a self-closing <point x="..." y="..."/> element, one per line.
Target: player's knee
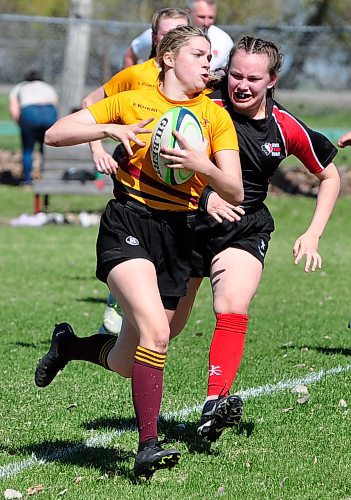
<point x="161" y="343"/>
<point x="231" y="305"/>
<point x="160" y="338"/>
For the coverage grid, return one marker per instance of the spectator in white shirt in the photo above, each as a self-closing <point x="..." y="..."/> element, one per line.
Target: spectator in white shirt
<point x="33" y="105"/>
<point x="203" y="14"/>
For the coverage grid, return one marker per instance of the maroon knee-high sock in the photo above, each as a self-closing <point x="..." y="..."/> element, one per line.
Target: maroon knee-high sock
<point x="147" y="385"/>
<point x="226" y="351"/>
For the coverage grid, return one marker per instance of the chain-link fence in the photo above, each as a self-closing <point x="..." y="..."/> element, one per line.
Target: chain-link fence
<point x="315" y="57"/>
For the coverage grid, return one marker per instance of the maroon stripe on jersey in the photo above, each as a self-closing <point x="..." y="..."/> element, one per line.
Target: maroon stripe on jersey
<point x="122" y="189"/>
<point x="141" y="176"/>
<point x="297" y="140"/>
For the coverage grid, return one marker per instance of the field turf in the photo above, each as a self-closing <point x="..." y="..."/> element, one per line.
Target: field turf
<point x="76" y="439"/>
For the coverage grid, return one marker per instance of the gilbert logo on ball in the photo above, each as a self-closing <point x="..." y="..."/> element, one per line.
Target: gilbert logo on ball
<point x="187" y="124"/>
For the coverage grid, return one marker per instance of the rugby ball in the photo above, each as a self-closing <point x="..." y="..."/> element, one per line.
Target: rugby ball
<point x="188" y="125"/>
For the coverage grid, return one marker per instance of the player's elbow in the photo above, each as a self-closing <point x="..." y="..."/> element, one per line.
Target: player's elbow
<point x="85" y="103"/>
<point x="50" y="138"/>
<point x="239" y="196"/>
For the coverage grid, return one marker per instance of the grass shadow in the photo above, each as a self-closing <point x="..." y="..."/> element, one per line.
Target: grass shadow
<point x="33" y="345"/>
<point x="76" y="277"/>
<point x="324" y="350"/>
<point x="108" y="423"/>
<point x="187" y="433"/>
<point x="107" y="461"/>
<point x="173" y="430"/>
<point x="92" y="300"/>
<point x="332" y="350"/>
<point x="246" y="428"/>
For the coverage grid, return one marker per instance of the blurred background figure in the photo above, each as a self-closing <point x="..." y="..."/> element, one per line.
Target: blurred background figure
<point x="33" y="105"/>
<point x="203" y="14"/>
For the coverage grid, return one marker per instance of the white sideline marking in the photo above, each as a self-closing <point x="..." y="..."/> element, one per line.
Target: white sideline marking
<point x="101" y="440"/>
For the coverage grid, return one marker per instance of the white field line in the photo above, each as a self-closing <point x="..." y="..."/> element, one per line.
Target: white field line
<point x="102" y="440"/>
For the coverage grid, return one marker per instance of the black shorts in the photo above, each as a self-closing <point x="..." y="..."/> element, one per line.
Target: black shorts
<point x="252" y="233"/>
<point x="131" y="230"/>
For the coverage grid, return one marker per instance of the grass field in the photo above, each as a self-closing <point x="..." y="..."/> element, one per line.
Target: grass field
<point x="77" y="438"/>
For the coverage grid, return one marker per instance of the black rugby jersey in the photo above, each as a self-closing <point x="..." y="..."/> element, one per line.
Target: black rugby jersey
<point x="264" y="143"/>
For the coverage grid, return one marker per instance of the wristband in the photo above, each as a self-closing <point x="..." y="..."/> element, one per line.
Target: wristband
<point x="204" y="197"/>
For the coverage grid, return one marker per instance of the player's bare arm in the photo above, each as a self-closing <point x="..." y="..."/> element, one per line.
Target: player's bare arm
<point x="103" y="161"/>
<point x="84" y="128"/>
<point x="307" y="243"/>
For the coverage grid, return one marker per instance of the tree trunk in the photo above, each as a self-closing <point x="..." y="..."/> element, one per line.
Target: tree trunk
<point x="76" y="56"/>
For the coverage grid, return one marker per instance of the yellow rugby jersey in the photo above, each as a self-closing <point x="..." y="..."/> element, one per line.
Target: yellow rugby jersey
<point x="136" y="176"/>
<point x="139" y="76"/>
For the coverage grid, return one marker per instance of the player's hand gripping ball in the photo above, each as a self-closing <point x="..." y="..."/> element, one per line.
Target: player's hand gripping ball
<point x="187" y="124"/>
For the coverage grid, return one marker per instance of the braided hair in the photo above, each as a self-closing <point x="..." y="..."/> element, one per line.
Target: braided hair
<point x="250" y="45"/>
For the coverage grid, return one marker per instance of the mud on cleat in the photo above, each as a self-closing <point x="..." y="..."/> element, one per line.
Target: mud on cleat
<point x="219" y="414"/>
<point x="152" y="457"/>
<point x="54" y="360"/>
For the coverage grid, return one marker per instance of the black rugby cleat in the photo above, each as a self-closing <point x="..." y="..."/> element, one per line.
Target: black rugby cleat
<point x="219" y="414"/>
<point x="152" y="457"/>
<point x="53" y="361"/>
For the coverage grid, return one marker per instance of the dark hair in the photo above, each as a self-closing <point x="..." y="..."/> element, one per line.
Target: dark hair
<point x="252" y="45"/>
<point x="33" y="75"/>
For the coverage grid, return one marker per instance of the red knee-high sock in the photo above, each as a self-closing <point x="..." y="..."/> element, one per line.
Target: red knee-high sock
<point x="147" y="384"/>
<point x="226" y="351"/>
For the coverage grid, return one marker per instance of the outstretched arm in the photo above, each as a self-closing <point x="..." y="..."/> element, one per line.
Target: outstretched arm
<point x="81" y="127"/>
<point x="103" y="161"/>
<point x="307" y="243"/>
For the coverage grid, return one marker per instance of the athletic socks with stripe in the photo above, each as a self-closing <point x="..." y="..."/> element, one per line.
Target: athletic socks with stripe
<point x="147" y="386"/>
<point x="94" y="349"/>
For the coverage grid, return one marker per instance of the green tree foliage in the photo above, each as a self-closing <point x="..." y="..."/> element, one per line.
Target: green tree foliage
<point x="56" y="8"/>
<point x="250" y="12"/>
